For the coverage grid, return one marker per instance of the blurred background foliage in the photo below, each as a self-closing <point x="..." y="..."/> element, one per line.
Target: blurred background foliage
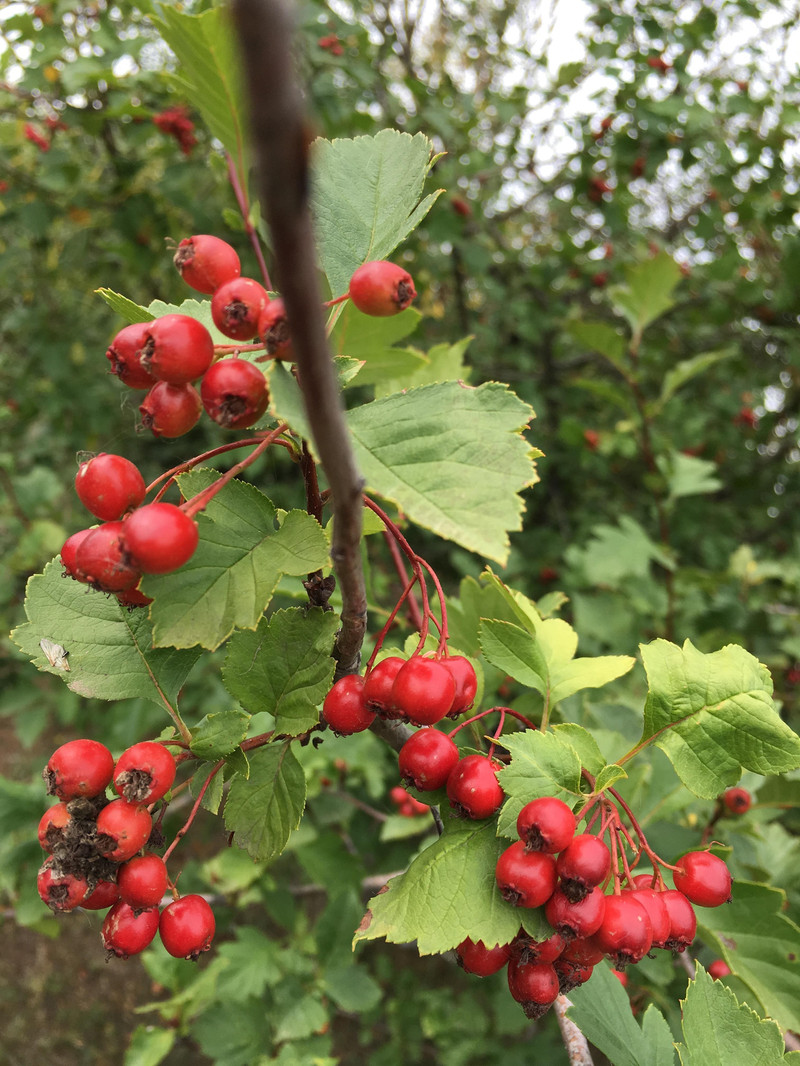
<point x="596" y="158"/>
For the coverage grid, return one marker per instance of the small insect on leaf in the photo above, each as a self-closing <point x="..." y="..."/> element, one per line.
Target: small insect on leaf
<point x="56" y="653"/>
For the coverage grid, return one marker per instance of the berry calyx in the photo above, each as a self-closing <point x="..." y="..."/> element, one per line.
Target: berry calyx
<point x="345" y="709"/>
<point x="123" y="354"/>
<point x="122" y="830"/>
<point x="473" y="788"/>
<point x="109" y="485"/>
<point x="703" y="878"/>
<point x="142" y="881"/>
<point x="170" y="410"/>
<point x="737" y="800"/>
<point x="187" y="926"/>
<point x="424" y="690"/>
<point x="128" y="932"/>
<point x="427" y="759"/>
<point x="236" y="308"/>
<point x="206" y="262"/>
<point x="234" y="393"/>
<point x="160" y="538"/>
<point x="78" y="768"/>
<point x="381" y="288"/>
<point x="525" y="878"/>
<point x="475" y="958"/>
<point x="144" y="772"/>
<point x="177" y="349"/>
<point x="546" y="824"/>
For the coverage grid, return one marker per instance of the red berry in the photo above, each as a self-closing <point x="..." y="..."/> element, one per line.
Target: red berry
<point x="69" y="553"/>
<point x="621" y="977"/>
<point x="101" y="559"/>
<point x="579" y="919"/>
<point x="273" y="329"/>
<point x="52" y="825"/>
<point x="145" y="772"/>
<point x="378" y="686"/>
<point x="424" y="690"/>
<point x="582" y="865"/>
<point x="236" y="308"/>
<point x="381" y="288"/>
<point x="703" y="878"/>
<point x="653" y="903"/>
<point x="473" y="788"/>
<point x="177" y="349"/>
<point x="526" y="949"/>
<point x="466" y="683"/>
<point x="187" y="927"/>
<point x="427" y="759"/>
<point x="206" y="262"/>
<point x="682" y="920"/>
<point x="571" y="974"/>
<point x="534" y="985"/>
<point x="345" y="709"/>
<point x="474" y="957"/>
<point x="582" y="952"/>
<point x="525" y="878"/>
<point x="719" y="968"/>
<point x="160" y="538"/>
<point x="625" y="933"/>
<point x="60" y="891"/>
<point x="142" y="881"/>
<point x="78" y="768"/>
<point x="109" y="485"/>
<point x="122" y="830"/>
<point x="546" y="824"/>
<point x="234" y="393"/>
<point x="133" y="598"/>
<point x="123" y="354"/>
<point x="736" y="800"/>
<point x="170" y="410"/>
<point x="127" y="932"/>
<point x="104" y="894"/>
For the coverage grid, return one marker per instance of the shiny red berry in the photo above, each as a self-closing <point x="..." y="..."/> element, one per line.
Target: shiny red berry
<point x="546" y="824"/>
<point x="187" y="927"/>
<point x="236" y="308"/>
<point x="527" y="949"/>
<point x="473" y="788"/>
<point x="345" y="709"/>
<point x="703" y="878"/>
<point x="144" y="772"/>
<point x="466" y="683"/>
<point x="109" y="485"/>
<point x="160" y="538"/>
<point x="142" y="881"/>
<point x="381" y="288"/>
<point x="273" y="328"/>
<point x="234" y="393"/>
<point x="101" y="559"/>
<point x="78" y="768"/>
<point x="737" y="800"/>
<point x="534" y="985"/>
<point x="206" y="262"/>
<point x="653" y="903"/>
<point x="177" y="349"/>
<point x="424" y="690"/>
<point x="579" y="919"/>
<point x="582" y="865"/>
<point x="682" y="920"/>
<point x="625" y="934"/>
<point x="170" y="410"/>
<point x="104" y="895"/>
<point x="427" y="759"/>
<point x="127" y="932"/>
<point x="123" y="353"/>
<point x="719" y="968"/>
<point x="475" y="958"/>
<point x="122" y="830"/>
<point x="378" y="685"/>
<point x="60" y="891"/>
<point x="525" y="878"/>
<point x="69" y="554"/>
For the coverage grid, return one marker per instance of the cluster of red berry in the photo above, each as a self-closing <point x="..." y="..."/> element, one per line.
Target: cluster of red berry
<point x="551" y="866"/>
<point x="94" y="847"/>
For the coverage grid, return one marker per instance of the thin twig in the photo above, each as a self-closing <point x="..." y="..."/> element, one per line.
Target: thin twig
<point x="574" y="1040"/>
<point x="281" y="143"/>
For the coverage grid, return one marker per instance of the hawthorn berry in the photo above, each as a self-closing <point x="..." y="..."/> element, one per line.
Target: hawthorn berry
<point x="525" y="878"/>
<point x="170" y="410"/>
<point x="424" y="690"/>
<point x="737" y="800"/>
<point x="466" y="683"/>
<point x="533" y="984"/>
<point x="406" y="805"/>
<point x="186" y="927"/>
<point x="571" y="974"/>
<point x="78" y="768"/>
<point x="52" y="825"/>
<point x="719" y="968"/>
<point x="703" y="878"/>
<point x="583" y="951"/>
<point x="122" y="830"/>
<point x="177" y="349"/>
<point x="546" y="824"/>
<point x="381" y="288"/>
<point x="102" y="561"/>
<point x="128" y="932"/>
<point x="104" y="895"/>
<point x="109" y="485"/>
<point x="142" y="881"/>
<point x="60" y="891"/>
<point x="273" y="329"/>
<point x="473" y="788"/>
<point x="475" y="958"/>
<point x="653" y="903"/>
<point x="427" y="759"/>
<point x="625" y="933"/>
<point x="123" y="354"/>
<point x="682" y="920"/>
<point x="579" y="919"/>
<point x="236" y="308"/>
<point x="234" y="393"/>
<point x="160" y="538"/>
<point x="584" y="863"/>
<point x="144" y="772"/>
<point x="345" y="709"/>
<point x="206" y="262"/>
<point x="378" y="685"/>
<point x="69" y="553"/>
<point x="133" y="597"/>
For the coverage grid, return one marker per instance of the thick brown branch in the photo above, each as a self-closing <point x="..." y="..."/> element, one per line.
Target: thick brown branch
<point x="281" y="142"/>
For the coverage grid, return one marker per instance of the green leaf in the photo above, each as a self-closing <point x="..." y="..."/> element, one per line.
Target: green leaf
<point x="584" y="744"/>
<point x="233" y="1032"/>
<point x="542" y="764"/>
<point x="284" y="666"/>
<point x="761" y="945"/>
<point x="149" y="1046"/>
<point x="371" y="340"/>
<point x="240" y="558"/>
<point x="210" y="68"/>
<point x="351" y="988"/>
<point x="301" y="1015"/>
<point x="608" y="776"/>
<point x="443" y="362"/>
<point x="617" y="552"/>
<point x="602" y="1011"/>
<point x="448" y="893"/>
<point x="250" y="965"/>
<point x="686" y="475"/>
<point x="109" y="649"/>
<point x="648" y="291"/>
<point x="264" y="809"/>
<point x="600" y="337"/>
<point x="129" y="310"/>
<point x="212" y="797"/>
<point x="718" y="1031"/>
<point x="688" y="369"/>
<point x="218" y="734"/>
<point x="366" y="198"/>
<point x="712" y="715"/>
